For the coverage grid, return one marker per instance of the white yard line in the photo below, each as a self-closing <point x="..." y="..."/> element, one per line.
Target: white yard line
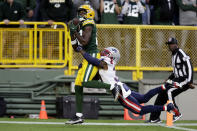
<point x="181" y="128"/>
<point x="108" y="124"/>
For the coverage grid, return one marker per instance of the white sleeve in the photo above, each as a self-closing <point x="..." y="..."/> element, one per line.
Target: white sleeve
<point x="125" y="8"/>
<point x="141" y="7"/>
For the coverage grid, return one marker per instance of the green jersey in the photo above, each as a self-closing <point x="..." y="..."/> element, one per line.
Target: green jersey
<point x="109" y="16"/>
<point x="91" y="47"/>
<point x="132" y="16"/>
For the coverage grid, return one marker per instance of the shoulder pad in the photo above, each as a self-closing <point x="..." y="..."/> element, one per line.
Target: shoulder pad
<point x="88" y="21"/>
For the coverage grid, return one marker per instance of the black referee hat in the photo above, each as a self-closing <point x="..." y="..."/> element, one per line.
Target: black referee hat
<point x="171" y="40"/>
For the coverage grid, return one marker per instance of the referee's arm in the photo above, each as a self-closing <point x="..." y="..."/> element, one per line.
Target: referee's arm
<point x="189" y="71"/>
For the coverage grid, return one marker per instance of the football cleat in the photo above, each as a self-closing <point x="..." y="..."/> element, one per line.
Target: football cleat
<point x="175" y="118"/>
<point x="75" y="120"/>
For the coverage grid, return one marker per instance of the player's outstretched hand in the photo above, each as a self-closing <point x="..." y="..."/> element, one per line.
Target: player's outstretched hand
<point x="79" y="48"/>
<point x="173" y="84"/>
<point x="73" y="26"/>
<point x="177" y="85"/>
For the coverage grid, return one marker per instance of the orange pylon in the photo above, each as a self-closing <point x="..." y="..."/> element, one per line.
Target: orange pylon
<point x="127" y="115"/>
<point x="43" y="112"/>
<point x="169" y="117"/>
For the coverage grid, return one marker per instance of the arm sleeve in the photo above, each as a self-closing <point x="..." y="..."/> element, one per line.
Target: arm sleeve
<point x="125" y="7"/>
<point x="141" y="7"/>
<point x="96" y="84"/>
<point x="189" y="69"/>
<point x="91" y="59"/>
<point x="185" y="7"/>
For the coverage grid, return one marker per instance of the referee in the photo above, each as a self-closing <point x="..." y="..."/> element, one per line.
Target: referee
<point x="182" y="77"/>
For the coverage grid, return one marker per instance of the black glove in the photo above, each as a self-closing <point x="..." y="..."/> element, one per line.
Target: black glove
<point x="79" y="48"/>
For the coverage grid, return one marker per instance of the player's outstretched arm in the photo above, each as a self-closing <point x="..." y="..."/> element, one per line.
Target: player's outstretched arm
<point x="92" y="60"/>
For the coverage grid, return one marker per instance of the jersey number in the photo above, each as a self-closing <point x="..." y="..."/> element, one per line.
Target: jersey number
<point x="133" y="11"/>
<point x="109" y="7"/>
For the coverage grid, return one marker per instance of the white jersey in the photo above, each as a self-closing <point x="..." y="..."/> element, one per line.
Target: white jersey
<point x="108" y="76"/>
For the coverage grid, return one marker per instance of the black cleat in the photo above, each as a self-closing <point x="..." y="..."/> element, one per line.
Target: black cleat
<point x="76" y="120"/>
<point x="170" y="107"/>
<point x="175" y="118"/>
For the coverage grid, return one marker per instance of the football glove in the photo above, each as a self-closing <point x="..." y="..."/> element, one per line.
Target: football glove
<point x="79" y="48"/>
<point x="73" y="28"/>
<point x="174" y="84"/>
<point x="169" y="81"/>
<point x="177" y="85"/>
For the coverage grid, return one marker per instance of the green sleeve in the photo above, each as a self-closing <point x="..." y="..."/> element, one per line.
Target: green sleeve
<point x="96" y="84"/>
<point x="32" y="4"/>
<point x="185" y="7"/>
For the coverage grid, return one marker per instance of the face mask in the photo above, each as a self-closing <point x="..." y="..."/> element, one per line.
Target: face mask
<point x="80" y="18"/>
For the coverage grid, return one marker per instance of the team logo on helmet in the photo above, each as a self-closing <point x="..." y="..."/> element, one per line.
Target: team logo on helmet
<point x="89" y="11"/>
<point x="112" y="53"/>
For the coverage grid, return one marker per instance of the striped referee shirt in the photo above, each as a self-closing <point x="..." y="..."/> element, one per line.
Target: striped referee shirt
<point x="182" y="67"/>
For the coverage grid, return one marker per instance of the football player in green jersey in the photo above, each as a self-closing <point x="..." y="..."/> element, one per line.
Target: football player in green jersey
<point x="83" y="34"/>
<point x="132" y="10"/>
<point x="110" y="9"/>
<point x="132" y="14"/>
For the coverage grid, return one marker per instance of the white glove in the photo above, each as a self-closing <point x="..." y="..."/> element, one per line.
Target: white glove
<point x="174" y="84"/>
<point x="169" y="81"/>
<point x="125" y="93"/>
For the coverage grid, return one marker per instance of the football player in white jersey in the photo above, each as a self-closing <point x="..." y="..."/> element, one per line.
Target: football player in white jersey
<point x="127" y="98"/>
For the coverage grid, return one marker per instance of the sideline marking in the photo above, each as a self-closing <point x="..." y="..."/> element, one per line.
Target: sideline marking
<point x="181" y="128"/>
<point x="107" y="124"/>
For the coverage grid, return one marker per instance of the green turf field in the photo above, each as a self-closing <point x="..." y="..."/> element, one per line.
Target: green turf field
<point x="18" y="124"/>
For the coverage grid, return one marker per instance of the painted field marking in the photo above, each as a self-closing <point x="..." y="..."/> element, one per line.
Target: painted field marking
<point x="108" y="124"/>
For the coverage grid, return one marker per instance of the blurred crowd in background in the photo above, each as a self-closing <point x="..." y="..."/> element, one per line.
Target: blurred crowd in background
<point x="148" y="12"/>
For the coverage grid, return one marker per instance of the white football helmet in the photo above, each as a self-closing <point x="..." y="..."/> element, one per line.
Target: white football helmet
<point x="112" y="53"/>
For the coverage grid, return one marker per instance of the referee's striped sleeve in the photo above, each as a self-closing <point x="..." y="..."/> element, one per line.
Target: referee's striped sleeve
<point x="188" y="65"/>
